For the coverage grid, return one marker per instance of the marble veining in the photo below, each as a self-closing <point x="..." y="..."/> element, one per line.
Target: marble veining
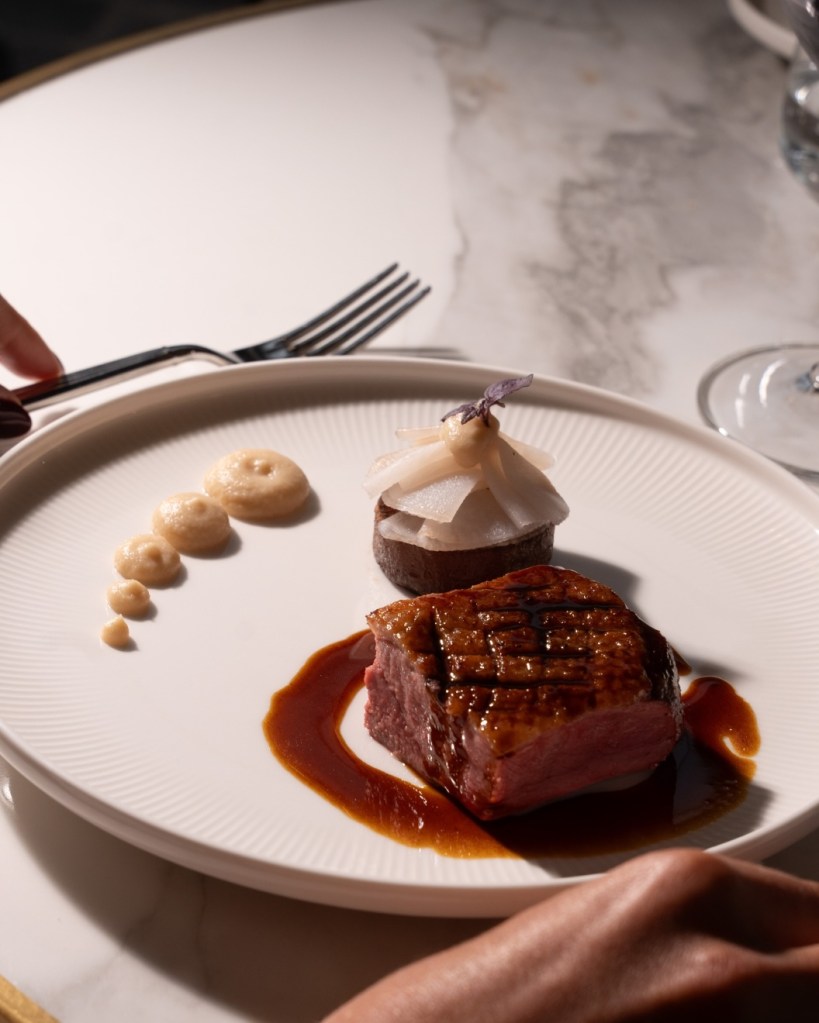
<point x="582" y="239"/>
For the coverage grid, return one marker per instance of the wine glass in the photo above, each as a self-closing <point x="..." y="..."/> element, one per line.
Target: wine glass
<point x="768" y="398"/>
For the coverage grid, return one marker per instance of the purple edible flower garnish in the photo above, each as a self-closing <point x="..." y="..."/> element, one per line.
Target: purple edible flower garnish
<point x="493" y="395"/>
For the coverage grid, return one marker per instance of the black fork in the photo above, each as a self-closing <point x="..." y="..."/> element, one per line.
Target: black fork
<point x="344" y="327"/>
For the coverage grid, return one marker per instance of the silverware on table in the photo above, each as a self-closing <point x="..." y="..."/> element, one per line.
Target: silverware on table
<point x="343" y="328"/>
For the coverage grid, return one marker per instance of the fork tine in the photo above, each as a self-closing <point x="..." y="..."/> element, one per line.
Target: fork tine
<point x="290" y="342"/>
<point x="316" y="321"/>
<point x="333" y="337"/>
<point x="305" y="345"/>
<point x="348" y="342"/>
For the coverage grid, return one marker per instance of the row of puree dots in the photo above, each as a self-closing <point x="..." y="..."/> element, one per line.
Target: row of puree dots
<point x="252" y="484"/>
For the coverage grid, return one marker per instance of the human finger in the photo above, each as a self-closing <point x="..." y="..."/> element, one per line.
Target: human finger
<point x="721" y="980"/>
<point x="22" y="349"/>
<point x="773" y="911"/>
<point x="749" y="904"/>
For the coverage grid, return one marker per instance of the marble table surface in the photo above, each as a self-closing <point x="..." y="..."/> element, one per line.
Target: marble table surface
<point x="593" y="190"/>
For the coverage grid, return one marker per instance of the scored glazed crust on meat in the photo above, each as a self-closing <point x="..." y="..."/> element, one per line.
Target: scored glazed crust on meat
<point x="420" y="570"/>
<point x="520" y="690"/>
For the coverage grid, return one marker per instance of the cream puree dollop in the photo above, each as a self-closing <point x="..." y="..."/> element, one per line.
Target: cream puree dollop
<point x="116" y="633"/>
<point x="129" y="597"/>
<point x="257" y="484"/>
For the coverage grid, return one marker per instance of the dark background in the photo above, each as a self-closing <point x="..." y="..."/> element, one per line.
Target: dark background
<point x="36" y="32"/>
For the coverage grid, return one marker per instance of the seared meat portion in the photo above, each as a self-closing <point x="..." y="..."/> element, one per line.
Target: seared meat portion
<point x="521" y="690"/>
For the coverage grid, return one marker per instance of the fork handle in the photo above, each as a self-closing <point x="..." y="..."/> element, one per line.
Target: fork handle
<point x="84" y="381"/>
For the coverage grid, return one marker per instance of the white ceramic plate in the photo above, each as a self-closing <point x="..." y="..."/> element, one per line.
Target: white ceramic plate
<point x="163" y="745"/>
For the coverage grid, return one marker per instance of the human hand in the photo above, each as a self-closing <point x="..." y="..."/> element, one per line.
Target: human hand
<point x="24" y="352"/>
<point x="667" y="936"/>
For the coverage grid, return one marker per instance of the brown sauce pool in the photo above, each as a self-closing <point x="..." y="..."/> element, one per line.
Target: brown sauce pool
<point x="707" y="774"/>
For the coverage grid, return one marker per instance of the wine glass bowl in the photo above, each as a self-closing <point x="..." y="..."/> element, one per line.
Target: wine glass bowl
<point x="799" y="139"/>
<point x="768" y="398"/>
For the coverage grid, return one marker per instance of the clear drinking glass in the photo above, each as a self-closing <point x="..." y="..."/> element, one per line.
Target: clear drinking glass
<point x="799" y="139"/>
<point x="768" y="398"/>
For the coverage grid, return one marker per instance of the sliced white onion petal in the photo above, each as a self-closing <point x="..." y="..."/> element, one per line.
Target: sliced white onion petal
<point x="480" y="522"/>
<point x="538" y="489"/>
<point x="411" y="467"/>
<point x="537" y="456"/>
<point x="402" y="527"/>
<point x="519" y="503"/>
<point x="439" y="500"/>
<point x="419" y="434"/>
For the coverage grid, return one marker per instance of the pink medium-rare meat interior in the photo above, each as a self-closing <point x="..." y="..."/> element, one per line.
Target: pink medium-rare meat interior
<point x="521" y="690"/>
